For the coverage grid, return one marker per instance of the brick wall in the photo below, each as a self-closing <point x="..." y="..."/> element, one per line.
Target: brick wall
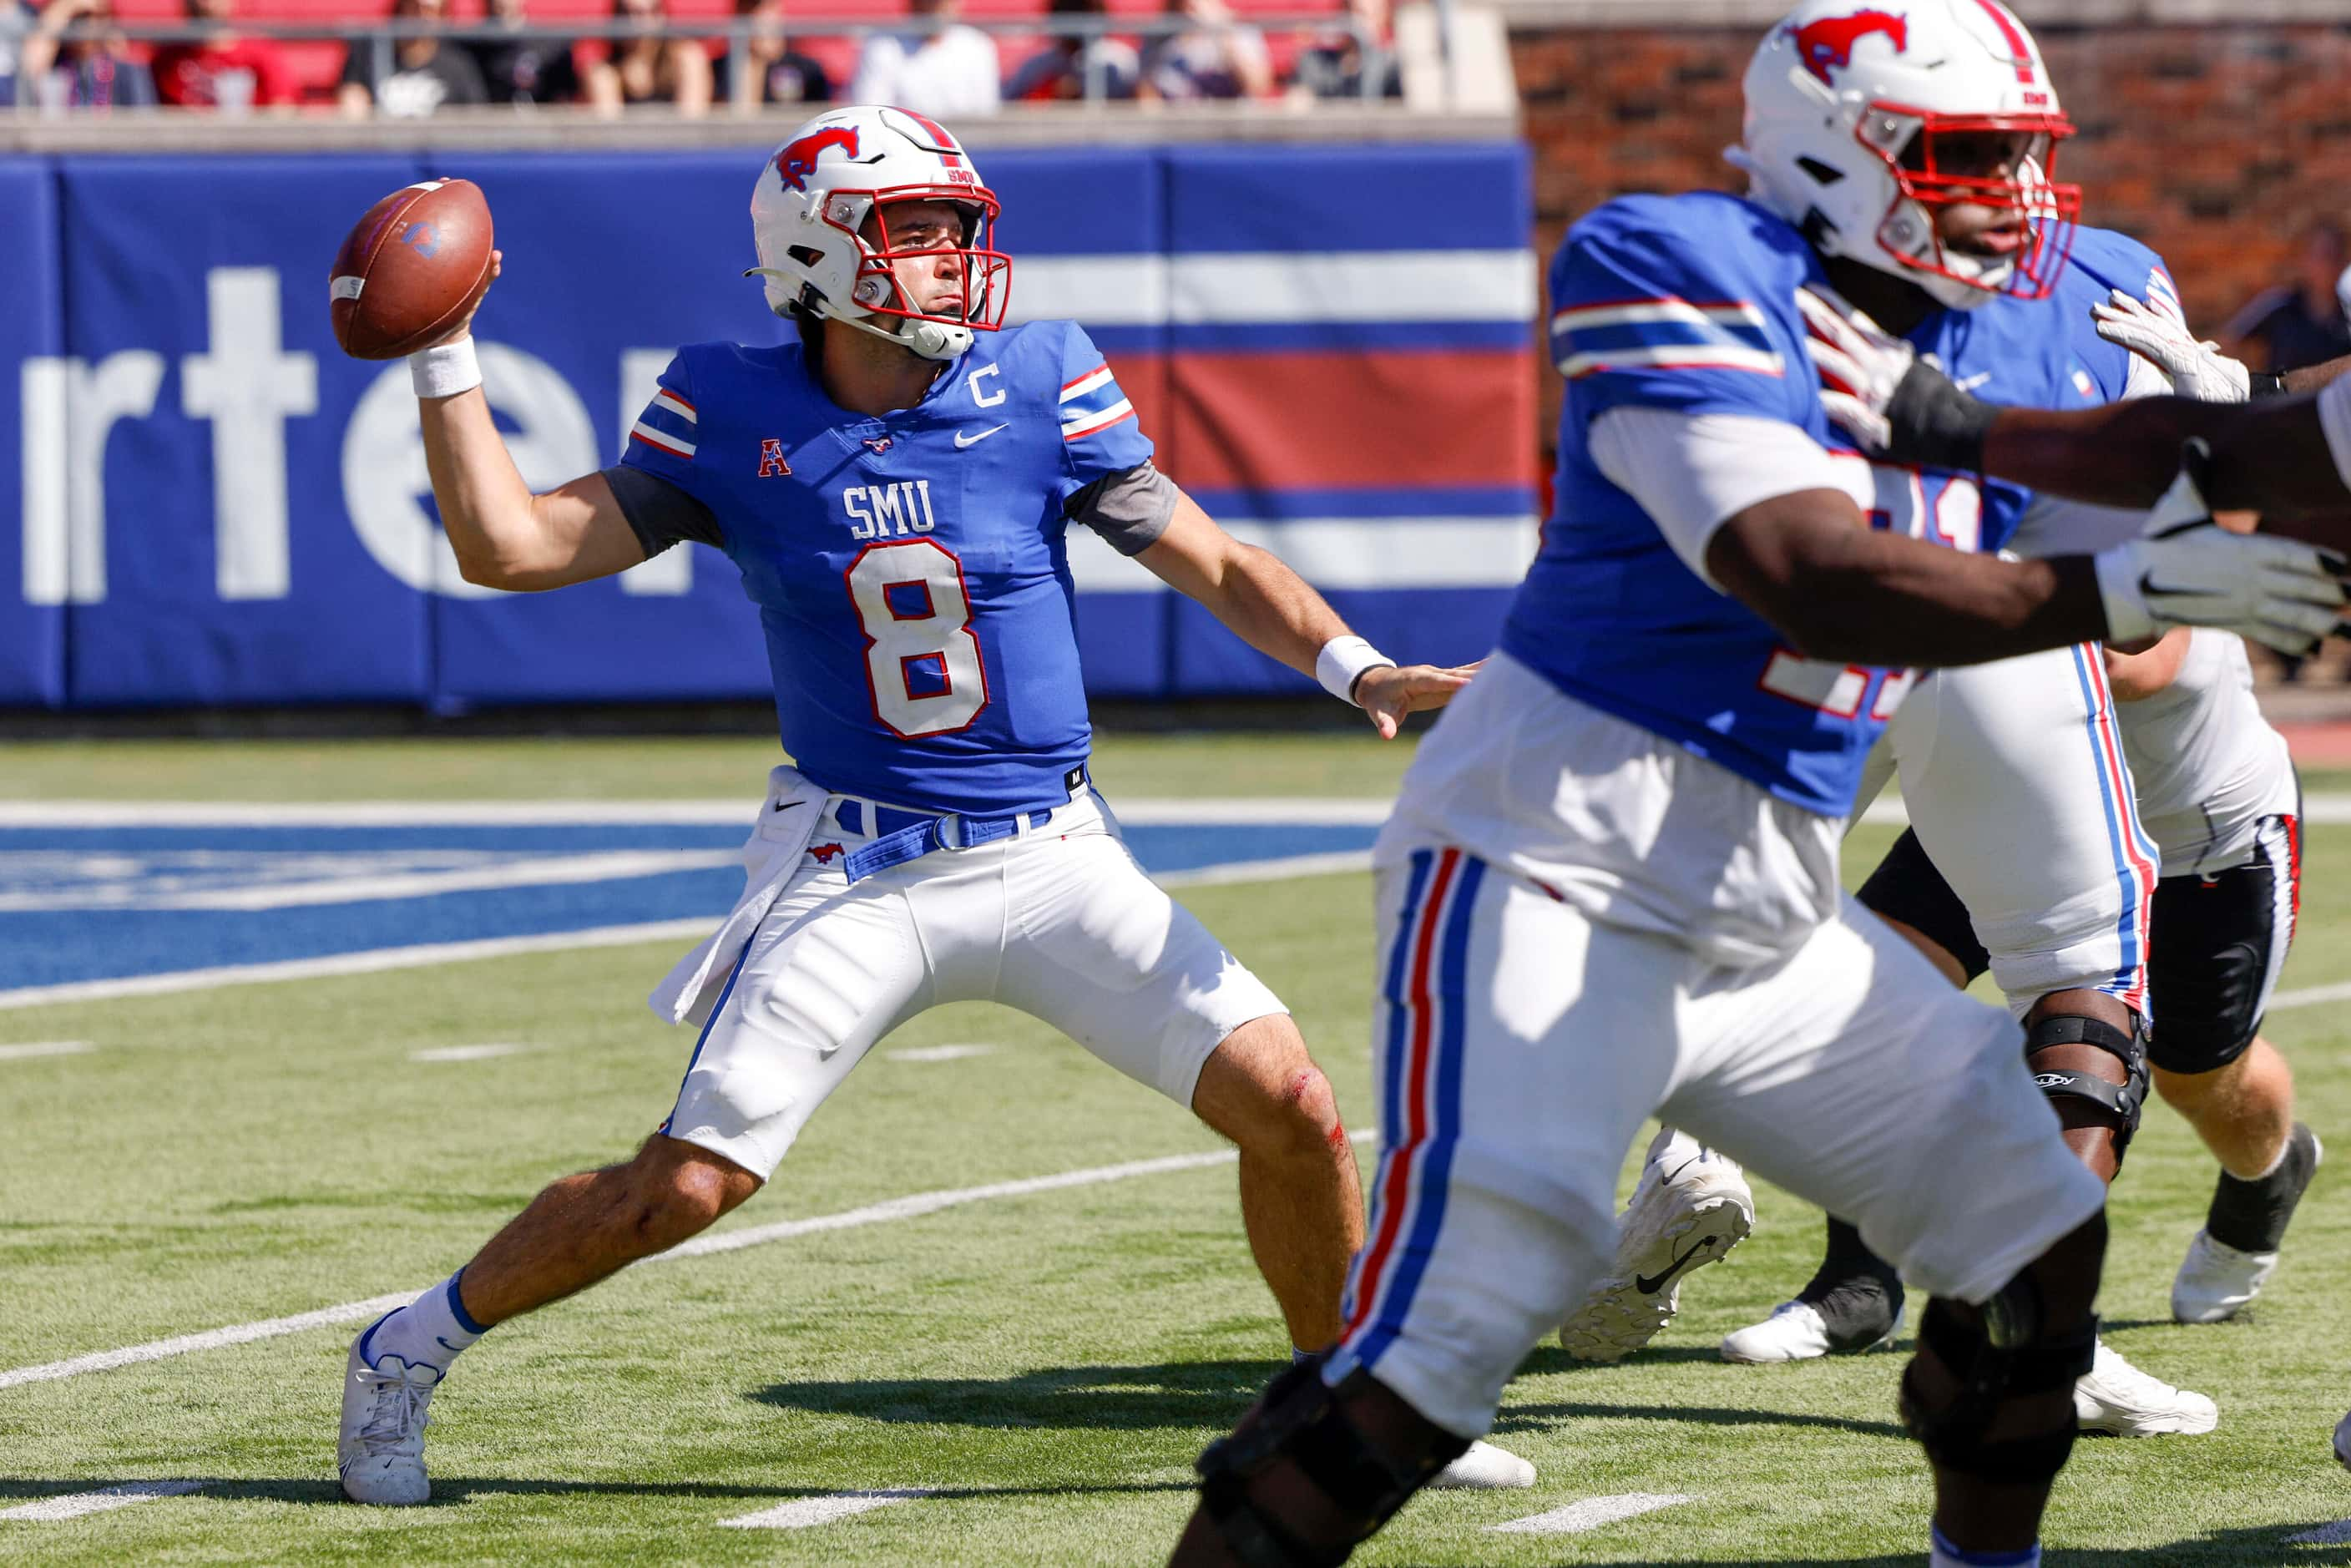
<point x="2213" y="145"/>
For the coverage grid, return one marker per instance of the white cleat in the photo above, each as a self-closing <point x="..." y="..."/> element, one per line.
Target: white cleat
<point x="1692" y="1207"/>
<point x="1794" y="1331"/>
<point x="2115" y="1396"/>
<point x="382" y="1454"/>
<point x="1484" y="1468"/>
<point x="2216" y="1282"/>
<point x="2343" y="1442"/>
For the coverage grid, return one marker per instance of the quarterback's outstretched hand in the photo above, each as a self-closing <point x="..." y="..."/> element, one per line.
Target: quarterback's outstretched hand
<point x="1389" y="691"/>
<point x="2199" y="370"/>
<point x="2186" y="570"/>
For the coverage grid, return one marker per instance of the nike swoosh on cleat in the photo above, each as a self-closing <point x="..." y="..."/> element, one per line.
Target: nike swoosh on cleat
<point x="963" y="441"/>
<point x="1649" y="1286"/>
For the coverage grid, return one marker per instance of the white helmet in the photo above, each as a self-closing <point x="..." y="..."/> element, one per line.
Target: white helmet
<point x="813" y="198"/>
<point x="1851" y="112"/>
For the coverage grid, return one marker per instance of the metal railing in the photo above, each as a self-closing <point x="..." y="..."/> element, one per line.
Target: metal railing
<point x="383" y="36"/>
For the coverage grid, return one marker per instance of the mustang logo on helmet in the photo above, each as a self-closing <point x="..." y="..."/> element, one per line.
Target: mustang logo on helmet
<point x="1830" y="41"/>
<point x="797" y="161"/>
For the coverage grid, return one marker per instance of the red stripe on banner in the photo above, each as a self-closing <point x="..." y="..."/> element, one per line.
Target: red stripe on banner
<point x="1397" y="1165"/>
<point x="1365" y="417"/>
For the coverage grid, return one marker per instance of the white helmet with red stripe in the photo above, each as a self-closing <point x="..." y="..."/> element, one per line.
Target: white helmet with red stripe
<point x="810" y="206"/>
<point x="1866" y="118"/>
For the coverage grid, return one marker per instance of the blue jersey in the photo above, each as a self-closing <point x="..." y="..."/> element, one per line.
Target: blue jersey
<point x="1688" y="304"/>
<point x="911" y="571"/>
<point x="2100" y="262"/>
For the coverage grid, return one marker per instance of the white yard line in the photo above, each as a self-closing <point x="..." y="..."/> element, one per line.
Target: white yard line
<point x="1280" y="869"/>
<point x="534" y="871"/>
<point x="939" y="1052"/>
<point x="45" y="1048"/>
<point x="375" y="960"/>
<point x="1591" y="1513"/>
<point x="910" y="1207"/>
<point x="2311" y="996"/>
<point x="371" y="961"/>
<point x="1154" y="809"/>
<point x="470" y="1053"/>
<point x="51" y="1509"/>
<point x="804" y="1513"/>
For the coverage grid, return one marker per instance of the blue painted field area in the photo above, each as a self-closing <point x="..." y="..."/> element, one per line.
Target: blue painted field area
<point x="103" y="903"/>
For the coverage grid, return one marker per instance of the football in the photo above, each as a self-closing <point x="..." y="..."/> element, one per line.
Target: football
<point x="411" y="268"/>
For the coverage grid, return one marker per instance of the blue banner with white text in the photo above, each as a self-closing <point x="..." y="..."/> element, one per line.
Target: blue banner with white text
<point x="219" y="509"/>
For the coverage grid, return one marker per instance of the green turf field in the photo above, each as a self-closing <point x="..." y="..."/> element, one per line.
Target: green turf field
<point x="1048" y="1363"/>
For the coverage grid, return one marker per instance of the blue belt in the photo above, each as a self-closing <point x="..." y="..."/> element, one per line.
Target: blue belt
<point x="900" y="836"/>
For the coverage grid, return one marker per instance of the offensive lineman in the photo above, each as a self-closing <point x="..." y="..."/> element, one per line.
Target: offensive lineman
<point x="1612" y="886"/>
<point x="895" y="490"/>
<point x="2038" y="838"/>
<point x="2221" y="800"/>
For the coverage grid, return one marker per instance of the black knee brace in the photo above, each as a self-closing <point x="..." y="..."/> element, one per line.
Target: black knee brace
<point x="1302" y="1420"/>
<point x="2123" y="1101"/>
<point x="2001" y="1352"/>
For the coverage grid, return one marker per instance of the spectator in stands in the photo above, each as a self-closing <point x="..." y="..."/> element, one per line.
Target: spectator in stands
<point x="520" y="67"/>
<point x="649" y="67"/>
<point x="15" y="23"/>
<point x="774" y="73"/>
<point x="1059" y="71"/>
<point x="2300" y="322"/>
<point x="1336" y="65"/>
<point x="1215" y="56"/>
<point x="425" y="75"/>
<point x="223" y="70"/>
<point x="95" y="71"/>
<point x="949" y="74"/>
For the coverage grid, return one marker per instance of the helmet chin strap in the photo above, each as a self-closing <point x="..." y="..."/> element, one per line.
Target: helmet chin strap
<point x="925" y="339"/>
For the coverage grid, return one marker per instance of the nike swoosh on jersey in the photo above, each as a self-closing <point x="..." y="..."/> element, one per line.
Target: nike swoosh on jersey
<point x="963" y="441"/>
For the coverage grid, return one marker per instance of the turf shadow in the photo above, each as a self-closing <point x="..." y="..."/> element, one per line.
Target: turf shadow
<point x="1520" y="1418"/>
<point x="449" y="1491"/>
<point x="2263" y="1545"/>
<point x="1170" y="1395"/>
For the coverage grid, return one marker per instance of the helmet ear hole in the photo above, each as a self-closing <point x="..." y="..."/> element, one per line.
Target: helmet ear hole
<point x="1821" y="173"/>
<point x="807" y="254"/>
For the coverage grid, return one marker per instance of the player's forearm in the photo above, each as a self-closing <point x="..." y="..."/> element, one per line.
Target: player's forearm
<point x="1271" y="608"/>
<point x="485" y="507"/>
<point x="2309" y="378"/>
<point x="2269" y="455"/>
<point x="1840" y="591"/>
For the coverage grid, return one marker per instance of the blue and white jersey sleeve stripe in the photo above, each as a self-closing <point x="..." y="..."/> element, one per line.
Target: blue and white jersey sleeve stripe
<point x="668" y="434"/>
<point x="1657" y="303"/>
<point x="1663" y="333"/>
<point x="1100" y="432"/>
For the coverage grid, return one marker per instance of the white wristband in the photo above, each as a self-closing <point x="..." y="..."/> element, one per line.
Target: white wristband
<point x="444" y="369"/>
<point x="1342" y="661"/>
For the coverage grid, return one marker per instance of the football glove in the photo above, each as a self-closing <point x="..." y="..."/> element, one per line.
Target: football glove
<point x="2187" y="571"/>
<point x="2199" y="370"/>
<point x="1877" y="390"/>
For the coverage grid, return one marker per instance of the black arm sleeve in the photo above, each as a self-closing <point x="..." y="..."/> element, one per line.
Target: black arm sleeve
<point x="659" y="512"/>
<point x="1131" y="509"/>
